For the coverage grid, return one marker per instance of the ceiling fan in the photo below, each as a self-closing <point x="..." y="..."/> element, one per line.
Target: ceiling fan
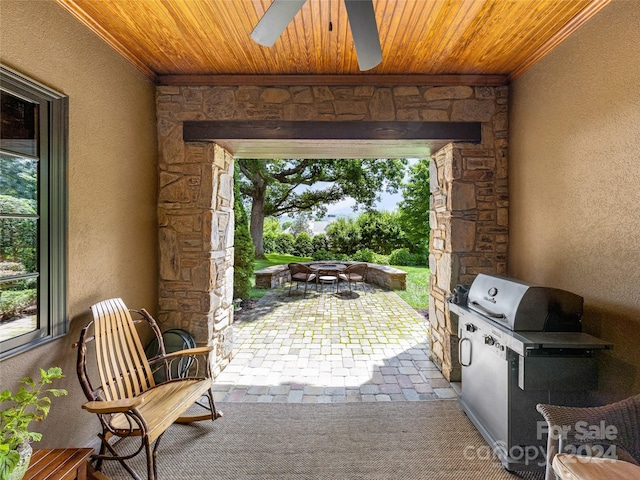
<point x="362" y="21"/>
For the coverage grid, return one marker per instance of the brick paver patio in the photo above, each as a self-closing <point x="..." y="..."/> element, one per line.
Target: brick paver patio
<point x="368" y="346"/>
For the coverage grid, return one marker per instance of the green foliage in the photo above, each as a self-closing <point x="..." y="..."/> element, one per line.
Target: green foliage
<point x="381" y="232"/>
<point x="284" y="244"/>
<point x="269" y="242"/>
<point x="272" y="225"/>
<point x="13" y="302"/>
<point x="302" y="245"/>
<point x="319" y="242"/>
<point x="417" y="292"/>
<point x="322" y="254"/>
<point x="364" y="255"/>
<point x="344" y="236"/>
<point x="414" y="208"/>
<point x="18" y="236"/>
<point x="243" y="253"/>
<point x="278" y="187"/>
<point x="380" y="259"/>
<point x="402" y="256"/>
<point x="19" y="177"/>
<point x="362" y="180"/>
<point x="30" y="403"/>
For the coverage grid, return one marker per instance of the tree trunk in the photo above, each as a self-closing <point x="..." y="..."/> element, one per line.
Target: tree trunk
<point x="256" y="226"/>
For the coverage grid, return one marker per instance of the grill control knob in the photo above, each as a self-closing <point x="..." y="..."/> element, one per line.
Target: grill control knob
<point x="489" y="340"/>
<point x="471" y="327"/>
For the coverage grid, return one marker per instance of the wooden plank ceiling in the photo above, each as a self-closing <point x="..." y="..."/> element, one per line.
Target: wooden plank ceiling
<point x="208" y="40"/>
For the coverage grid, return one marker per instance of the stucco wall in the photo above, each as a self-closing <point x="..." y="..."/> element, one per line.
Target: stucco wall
<point x="112" y="240"/>
<point x="575" y="182"/>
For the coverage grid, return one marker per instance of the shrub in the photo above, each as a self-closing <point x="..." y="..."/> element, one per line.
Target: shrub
<point x="243" y="253"/>
<point x="302" y="245"/>
<point x="320" y="242"/>
<point x="14" y="302"/>
<point x="344" y="236"/>
<point x="284" y="244"/>
<point x="322" y="255"/>
<point x="269" y="242"/>
<point x="380" y="259"/>
<point x="402" y="256"/>
<point x="364" y="255"/>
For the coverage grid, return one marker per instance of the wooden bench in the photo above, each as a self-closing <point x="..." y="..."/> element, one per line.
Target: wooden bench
<point x="128" y="401"/>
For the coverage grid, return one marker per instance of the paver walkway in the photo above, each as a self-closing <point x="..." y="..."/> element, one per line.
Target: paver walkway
<point x="367" y="346"/>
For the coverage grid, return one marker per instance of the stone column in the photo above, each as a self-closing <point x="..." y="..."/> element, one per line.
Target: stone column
<point x="195" y="215"/>
<point x="469" y="235"/>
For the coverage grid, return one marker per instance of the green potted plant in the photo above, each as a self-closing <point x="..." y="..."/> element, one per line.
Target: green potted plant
<point x="17" y="411"/>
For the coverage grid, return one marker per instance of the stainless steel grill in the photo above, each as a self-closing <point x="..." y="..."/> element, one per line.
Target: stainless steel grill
<point x="521" y="345"/>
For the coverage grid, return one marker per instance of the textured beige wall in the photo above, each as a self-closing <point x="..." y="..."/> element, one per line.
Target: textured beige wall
<point x="575" y="182"/>
<point x="112" y="238"/>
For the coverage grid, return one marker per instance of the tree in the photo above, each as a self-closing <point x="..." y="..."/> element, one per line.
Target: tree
<point x="344" y="236"/>
<point x="243" y="254"/>
<point x="414" y="208"/>
<point x="276" y="187"/>
<point x="381" y="232"/>
<point x="300" y="224"/>
<point x="272" y="225"/>
<point x="302" y="245"/>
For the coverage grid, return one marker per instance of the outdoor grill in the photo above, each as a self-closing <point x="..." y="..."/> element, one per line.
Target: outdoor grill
<point x="521" y="345"/>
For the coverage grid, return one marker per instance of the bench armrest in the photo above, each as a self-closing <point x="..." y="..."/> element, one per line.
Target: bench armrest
<point x="187" y="353"/>
<point x="115" y="406"/>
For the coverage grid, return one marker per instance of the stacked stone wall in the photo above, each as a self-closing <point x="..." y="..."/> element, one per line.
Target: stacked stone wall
<point x="195" y="192"/>
<point x="469" y="235"/>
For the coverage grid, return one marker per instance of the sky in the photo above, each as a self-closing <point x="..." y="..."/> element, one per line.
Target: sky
<point x="388" y="201"/>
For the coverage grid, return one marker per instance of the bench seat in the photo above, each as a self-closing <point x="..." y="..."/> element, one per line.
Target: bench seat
<point x="163" y="405"/>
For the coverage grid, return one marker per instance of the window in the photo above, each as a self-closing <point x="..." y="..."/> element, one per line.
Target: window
<point x="33" y="213"/>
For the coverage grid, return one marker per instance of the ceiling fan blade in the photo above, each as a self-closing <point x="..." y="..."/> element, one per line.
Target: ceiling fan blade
<point x="275" y="20"/>
<point x="364" y="30"/>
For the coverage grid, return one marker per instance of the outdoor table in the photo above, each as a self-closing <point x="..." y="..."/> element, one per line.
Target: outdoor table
<point x="327" y="273"/>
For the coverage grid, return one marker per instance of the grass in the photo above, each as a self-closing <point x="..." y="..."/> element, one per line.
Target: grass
<point x="416" y="294"/>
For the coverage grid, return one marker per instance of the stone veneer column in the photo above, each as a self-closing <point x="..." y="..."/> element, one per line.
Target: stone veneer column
<point x="469" y="235"/>
<point x="195" y="212"/>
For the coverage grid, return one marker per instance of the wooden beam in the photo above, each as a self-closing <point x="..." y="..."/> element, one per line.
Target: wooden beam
<point x="333" y="80"/>
<point x="203" y="131"/>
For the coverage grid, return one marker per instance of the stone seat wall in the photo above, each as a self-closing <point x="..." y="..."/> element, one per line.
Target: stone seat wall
<point x="383" y="275"/>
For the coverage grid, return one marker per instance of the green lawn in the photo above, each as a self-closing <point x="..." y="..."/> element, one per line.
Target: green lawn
<point x="416" y="294"/>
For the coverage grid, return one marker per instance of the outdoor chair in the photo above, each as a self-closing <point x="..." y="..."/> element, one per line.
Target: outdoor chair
<point x="354" y="273"/>
<point x="127" y="399"/>
<point x="577" y="435"/>
<point x="301" y="274"/>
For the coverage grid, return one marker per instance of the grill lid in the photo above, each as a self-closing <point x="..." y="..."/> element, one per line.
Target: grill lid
<point x="520" y="306"/>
